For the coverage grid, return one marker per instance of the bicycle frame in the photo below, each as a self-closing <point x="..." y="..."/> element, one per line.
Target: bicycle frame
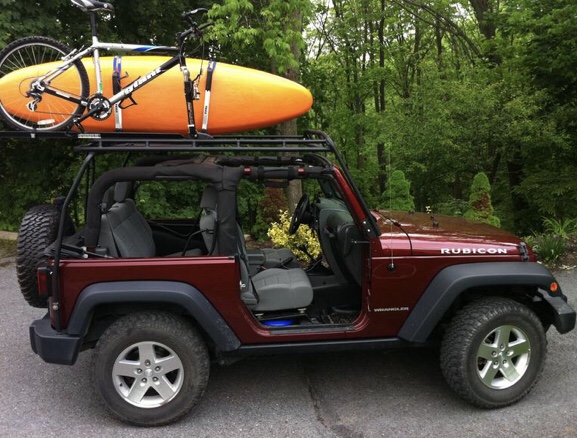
<point x="190" y="91"/>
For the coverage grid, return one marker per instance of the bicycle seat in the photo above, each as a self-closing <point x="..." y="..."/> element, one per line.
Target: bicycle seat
<point x="92" y="5"/>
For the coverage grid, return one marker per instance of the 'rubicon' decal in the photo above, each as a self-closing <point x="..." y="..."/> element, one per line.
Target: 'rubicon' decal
<point x="456" y="251"/>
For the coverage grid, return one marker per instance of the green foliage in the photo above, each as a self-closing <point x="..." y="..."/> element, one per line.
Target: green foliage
<point x="427" y="87"/>
<point x="480" y="207"/>
<point x="159" y="200"/>
<point x="452" y="207"/>
<point x="32" y="174"/>
<point x="304" y="238"/>
<point x="265" y="35"/>
<point x="398" y="196"/>
<point x="270" y="206"/>
<point x="562" y="227"/>
<point x="548" y="247"/>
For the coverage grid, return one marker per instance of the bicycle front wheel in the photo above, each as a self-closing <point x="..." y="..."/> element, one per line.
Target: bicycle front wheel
<point x="54" y="105"/>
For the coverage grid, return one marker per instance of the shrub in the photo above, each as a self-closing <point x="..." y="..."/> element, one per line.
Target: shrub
<point x="304" y="238"/>
<point x="398" y="196"/>
<point x="271" y="204"/>
<point x="562" y="227"/>
<point x="548" y="247"/>
<point x="480" y="207"/>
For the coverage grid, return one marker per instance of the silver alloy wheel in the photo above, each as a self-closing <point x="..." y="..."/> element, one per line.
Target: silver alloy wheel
<point x="503" y="357"/>
<point x="148" y="374"/>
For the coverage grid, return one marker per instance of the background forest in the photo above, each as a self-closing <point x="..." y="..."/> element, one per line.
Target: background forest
<point x="439" y="90"/>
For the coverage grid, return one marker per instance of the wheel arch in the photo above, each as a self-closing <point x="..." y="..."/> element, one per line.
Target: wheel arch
<point x="456" y="283"/>
<point x="131" y="296"/>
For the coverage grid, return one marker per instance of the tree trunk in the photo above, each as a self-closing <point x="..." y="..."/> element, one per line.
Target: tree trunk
<point x="295" y="189"/>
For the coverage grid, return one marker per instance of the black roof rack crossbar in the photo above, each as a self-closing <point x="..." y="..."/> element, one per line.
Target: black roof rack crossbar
<point x="311" y="141"/>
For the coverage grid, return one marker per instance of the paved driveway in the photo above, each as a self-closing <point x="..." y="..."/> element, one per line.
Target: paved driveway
<point x="379" y="394"/>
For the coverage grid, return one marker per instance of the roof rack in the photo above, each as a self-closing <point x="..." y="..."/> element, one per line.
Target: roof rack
<point x="310" y="141"/>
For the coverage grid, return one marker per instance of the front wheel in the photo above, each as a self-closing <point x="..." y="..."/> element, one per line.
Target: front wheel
<point x="150" y="368"/>
<point x="493" y="352"/>
<point x="53" y="105"/>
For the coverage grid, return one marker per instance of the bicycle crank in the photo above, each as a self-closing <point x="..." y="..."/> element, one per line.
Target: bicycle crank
<point x="99" y="108"/>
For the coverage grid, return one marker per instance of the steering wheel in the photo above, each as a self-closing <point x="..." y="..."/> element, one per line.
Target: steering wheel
<point x="299" y="214"/>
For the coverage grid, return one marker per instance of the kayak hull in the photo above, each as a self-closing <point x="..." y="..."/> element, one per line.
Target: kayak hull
<point x="239" y="98"/>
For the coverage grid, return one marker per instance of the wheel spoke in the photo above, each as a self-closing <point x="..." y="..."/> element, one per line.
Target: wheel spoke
<point x="488" y="373"/>
<point x="519" y="348"/>
<point x="146" y="352"/>
<point x="486" y="351"/>
<point x="169" y="363"/>
<point x="502" y="335"/>
<point x="137" y="391"/>
<point x="125" y="368"/>
<point x="164" y="388"/>
<point x="509" y="371"/>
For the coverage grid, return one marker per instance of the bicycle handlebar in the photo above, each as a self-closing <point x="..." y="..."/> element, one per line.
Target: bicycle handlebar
<point x="195" y="29"/>
<point x="93" y="5"/>
<point x="194" y="12"/>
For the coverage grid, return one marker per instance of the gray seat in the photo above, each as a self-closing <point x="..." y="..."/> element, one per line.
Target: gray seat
<point x="269" y="257"/>
<point x="278" y="289"/>
<point x="273" y="289"/>
<point x="124" y="231"/>
<point x="266" y="291"/>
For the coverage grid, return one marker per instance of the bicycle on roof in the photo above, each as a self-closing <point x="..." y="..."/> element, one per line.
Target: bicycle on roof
<point x="57" y="95"/>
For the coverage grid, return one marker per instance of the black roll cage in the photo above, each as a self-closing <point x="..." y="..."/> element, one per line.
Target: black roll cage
<point x="309" y="145"/>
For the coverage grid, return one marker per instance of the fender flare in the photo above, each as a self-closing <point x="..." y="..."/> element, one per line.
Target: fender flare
<point x="452" y="281"/>
<point x="142" y="291"/>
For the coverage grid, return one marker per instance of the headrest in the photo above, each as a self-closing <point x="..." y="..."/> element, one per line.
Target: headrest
<point x="122" y="191"/>
<point x="107" y="200"/>
<point x="209" y="198"/>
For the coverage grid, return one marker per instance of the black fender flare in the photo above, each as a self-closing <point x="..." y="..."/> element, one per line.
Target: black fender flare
<point x="190" y="299"/>
<point x="450" y="282"/>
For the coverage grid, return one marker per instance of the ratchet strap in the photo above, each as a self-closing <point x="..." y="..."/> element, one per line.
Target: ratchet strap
<point x="207" y="91"/>
<point x="116" y="88"/>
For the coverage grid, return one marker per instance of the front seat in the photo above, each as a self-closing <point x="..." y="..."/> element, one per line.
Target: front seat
<point x="275" y="289"/>
<point x="266" y="258"/>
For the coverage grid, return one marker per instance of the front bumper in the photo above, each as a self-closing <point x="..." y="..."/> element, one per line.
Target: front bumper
<point x="562" y="313"/>
<point x="51" y="346"/>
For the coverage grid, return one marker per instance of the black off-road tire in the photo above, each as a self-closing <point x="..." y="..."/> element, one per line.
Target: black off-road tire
<point x="504" y="331"/>
<point x="39" y="229"/>
<point x="132" y="362"/>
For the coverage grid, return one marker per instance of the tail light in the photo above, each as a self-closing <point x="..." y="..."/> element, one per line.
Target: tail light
<point x="44" y="274"/>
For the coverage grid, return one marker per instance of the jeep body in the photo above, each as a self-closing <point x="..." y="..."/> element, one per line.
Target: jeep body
<point x="386" y="279"/>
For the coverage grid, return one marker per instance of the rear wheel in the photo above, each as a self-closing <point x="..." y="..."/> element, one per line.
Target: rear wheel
<point x="150" y="368"/>
<point x="21" y="63"/>
<point x="493" y="352"/>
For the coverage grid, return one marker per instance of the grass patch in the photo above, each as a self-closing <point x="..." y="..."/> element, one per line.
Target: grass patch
<point x="7" y="248"/>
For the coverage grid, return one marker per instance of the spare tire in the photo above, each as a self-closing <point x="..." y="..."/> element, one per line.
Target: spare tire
<point x="39" y="229"/>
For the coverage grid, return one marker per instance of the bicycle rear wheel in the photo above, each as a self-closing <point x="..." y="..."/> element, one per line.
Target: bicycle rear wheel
<point x="21" y="63"/>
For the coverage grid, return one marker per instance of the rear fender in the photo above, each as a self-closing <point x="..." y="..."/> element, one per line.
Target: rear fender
<point x="183" y="295"/>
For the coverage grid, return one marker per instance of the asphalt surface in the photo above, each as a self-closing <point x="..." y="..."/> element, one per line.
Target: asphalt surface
<point x="378" y="394"/>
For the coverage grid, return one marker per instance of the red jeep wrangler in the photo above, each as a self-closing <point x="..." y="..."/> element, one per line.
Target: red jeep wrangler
<point x="159" y="300"/>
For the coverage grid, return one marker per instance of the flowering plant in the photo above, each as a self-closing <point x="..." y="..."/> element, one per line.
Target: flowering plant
<point x="304" y="238"/>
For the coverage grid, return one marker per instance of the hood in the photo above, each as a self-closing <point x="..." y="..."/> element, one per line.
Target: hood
<point x="421" y="234"/>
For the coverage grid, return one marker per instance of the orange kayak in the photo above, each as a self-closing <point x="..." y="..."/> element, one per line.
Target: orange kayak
<point x="240" y="99"/>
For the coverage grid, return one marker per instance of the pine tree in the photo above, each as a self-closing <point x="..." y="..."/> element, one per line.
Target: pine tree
<point x="397" y="195"/>
<point x="480" y="207"/>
